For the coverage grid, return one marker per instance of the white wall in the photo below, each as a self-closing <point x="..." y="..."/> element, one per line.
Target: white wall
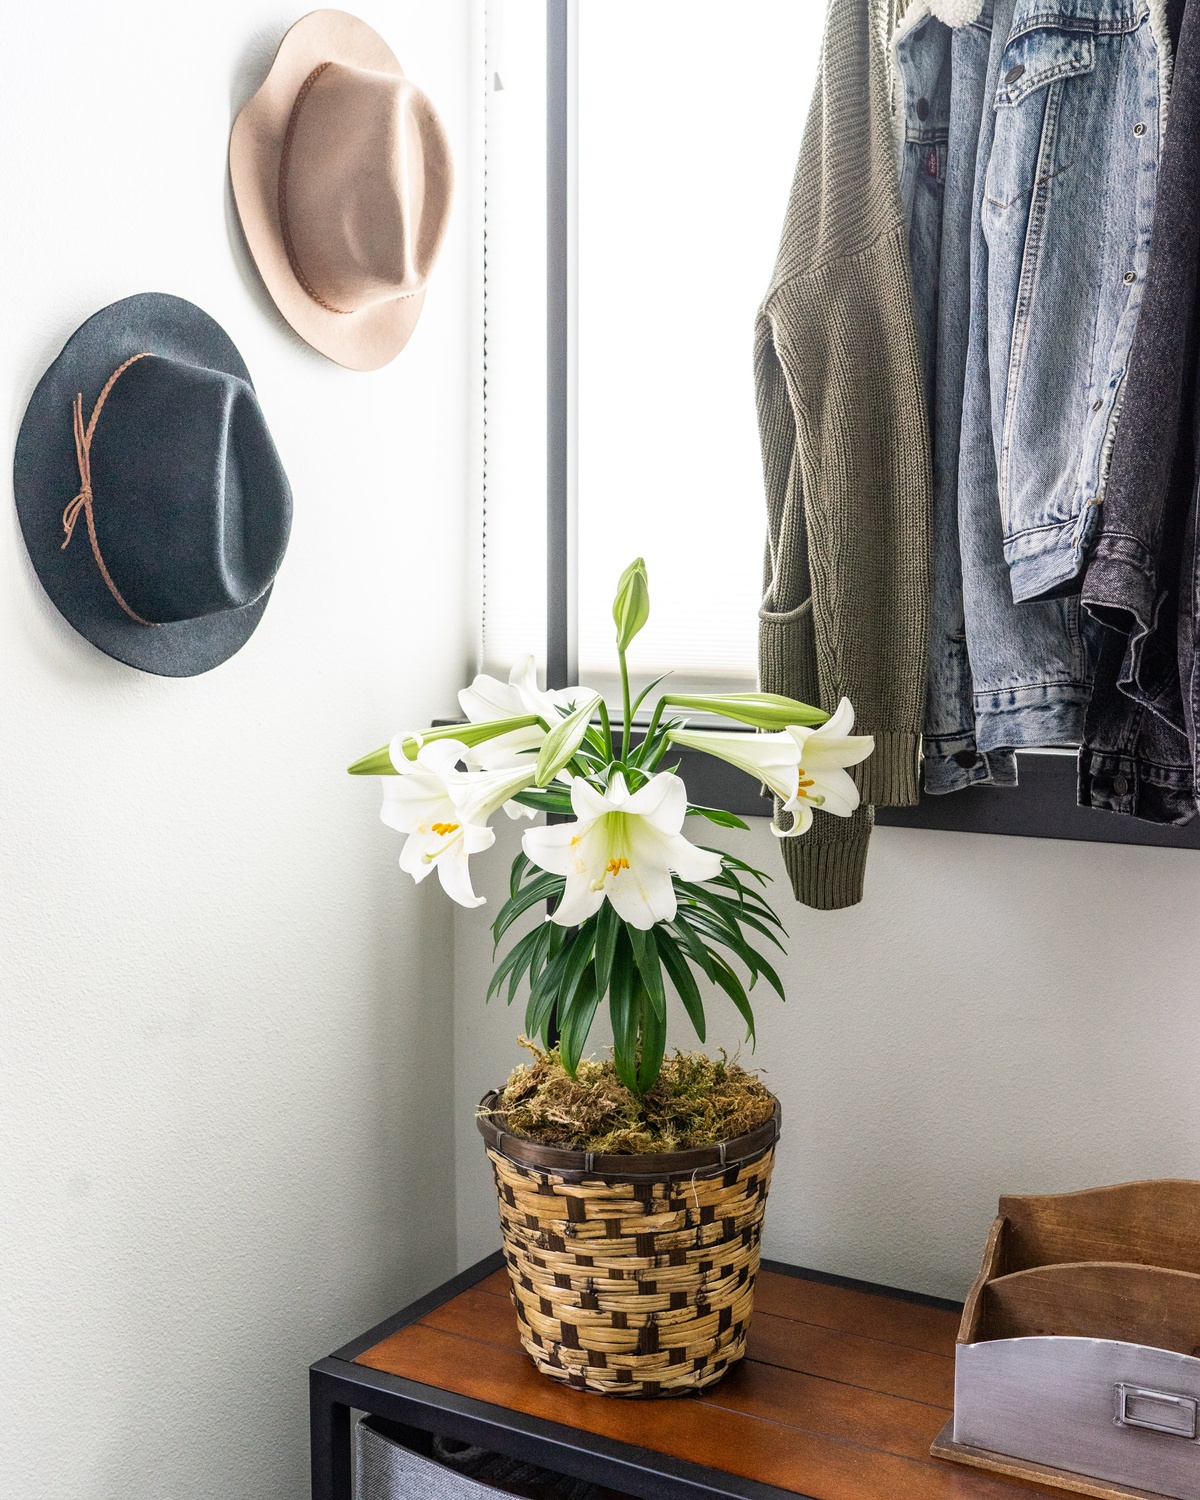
<point x="225" y="1018"/>
<point x="999" y="1015"/>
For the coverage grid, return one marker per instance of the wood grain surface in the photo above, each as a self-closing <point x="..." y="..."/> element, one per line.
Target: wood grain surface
<point x="839" y="1398"/>
<point x="1098" y="1300"/>
<point x="1149" y="1223"/>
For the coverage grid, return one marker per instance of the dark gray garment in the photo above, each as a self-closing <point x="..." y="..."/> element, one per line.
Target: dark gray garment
<point x="1140" y="750"/>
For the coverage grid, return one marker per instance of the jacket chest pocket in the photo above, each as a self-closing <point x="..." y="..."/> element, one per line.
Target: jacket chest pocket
<point x="1042" y="57"/>
<point x="1038" y="134"/>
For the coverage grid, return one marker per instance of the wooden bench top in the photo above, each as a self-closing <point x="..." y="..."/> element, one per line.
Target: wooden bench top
<point x="839" y="1398"/>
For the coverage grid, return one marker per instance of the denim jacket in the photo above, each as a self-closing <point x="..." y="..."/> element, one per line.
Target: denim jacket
<point x="1028" y="124"/>
<point x="1068" y="208"/>
<point x="1002" y="675"/>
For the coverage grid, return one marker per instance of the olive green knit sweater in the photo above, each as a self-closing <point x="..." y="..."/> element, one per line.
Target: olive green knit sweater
<point x="845" y="446"/>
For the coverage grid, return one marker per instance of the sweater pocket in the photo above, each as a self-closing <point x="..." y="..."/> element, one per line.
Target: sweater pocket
<point x="787" y="653"/>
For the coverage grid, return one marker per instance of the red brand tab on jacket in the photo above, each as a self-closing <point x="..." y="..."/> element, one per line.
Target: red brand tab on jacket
<point x="931" y="161"/>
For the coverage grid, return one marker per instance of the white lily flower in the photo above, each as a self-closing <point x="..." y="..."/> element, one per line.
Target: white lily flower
<point x="805" y="768"/>
<point x="489" y="698"/>
<point x="624" y="848"/>
<point x="444" y="812"/>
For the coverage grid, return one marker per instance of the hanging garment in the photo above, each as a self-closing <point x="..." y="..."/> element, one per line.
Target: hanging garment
<point x="845" y="446"/>
<point x="1029" y="662"/>
<point x="1067" y="210"/>
<point x="1140" y="742"/>
<point x="940" y="89"/>
<point x="1002" y="675"/>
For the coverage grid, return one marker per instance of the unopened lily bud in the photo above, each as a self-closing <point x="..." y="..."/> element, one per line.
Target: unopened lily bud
<point x="631" y="607"/>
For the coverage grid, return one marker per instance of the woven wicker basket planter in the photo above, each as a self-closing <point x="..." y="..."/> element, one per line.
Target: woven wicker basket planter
<point x="632" y="1275"/>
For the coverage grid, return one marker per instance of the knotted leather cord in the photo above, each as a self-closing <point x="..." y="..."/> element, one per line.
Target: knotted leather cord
<point x="83" y="500"/>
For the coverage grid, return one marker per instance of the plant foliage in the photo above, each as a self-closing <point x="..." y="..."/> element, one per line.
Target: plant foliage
<point x="571" y="972"/>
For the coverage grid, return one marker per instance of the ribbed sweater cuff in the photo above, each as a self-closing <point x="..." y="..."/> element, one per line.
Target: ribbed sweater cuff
<point x="892" y="776"/>
<point x="827" y="864"/>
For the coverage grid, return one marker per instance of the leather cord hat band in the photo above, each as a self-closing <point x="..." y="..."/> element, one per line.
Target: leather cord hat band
<point x="83" y="501"/>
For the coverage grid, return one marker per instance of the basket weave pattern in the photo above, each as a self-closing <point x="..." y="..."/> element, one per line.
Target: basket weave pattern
<point x="633" y="1288"/>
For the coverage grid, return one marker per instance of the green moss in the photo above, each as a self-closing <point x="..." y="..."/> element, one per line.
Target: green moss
<point x="695" y="1101"/>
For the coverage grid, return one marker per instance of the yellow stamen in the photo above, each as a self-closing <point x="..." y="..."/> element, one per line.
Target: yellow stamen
<point x="445" y="828"/>
<point x="801" y="784"/>
<point x="615" y="866"/>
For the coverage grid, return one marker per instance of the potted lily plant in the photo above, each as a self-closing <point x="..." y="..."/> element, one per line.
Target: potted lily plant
<point x="631" y="1191"/>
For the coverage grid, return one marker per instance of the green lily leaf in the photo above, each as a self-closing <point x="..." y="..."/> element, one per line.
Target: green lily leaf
<point x="717" y="815"/>
<point x="654" y="1044"/>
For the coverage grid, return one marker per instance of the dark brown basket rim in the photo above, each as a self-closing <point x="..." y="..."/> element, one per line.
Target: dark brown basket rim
<point x="630" y="1167"/>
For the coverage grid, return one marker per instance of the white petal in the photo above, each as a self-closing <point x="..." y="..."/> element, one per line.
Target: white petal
<point x="440" y="757"/>
<point x="662" y="802"/>
<point x="475" y="840"/>
<point x="522" y="675"/>
<point x="511" y="749"/>
<point x="523" y="679"/>
<point x="771" y="758"/>
<point x="840" y="722"/>
<point x="516" y="810"/>
<point x="618" y="791"/>
<point x="551" y="848"/>
<point x="455" y="875"/>
<point x="396" y="753"/>
<point x="410" y="802"/>
<point x="579" y="902"/>
<point x="487" y="698"/>
<point x="478" y="794"/>
<point x="587" y="803"/>
<point x="412" y="856"/>
<point x="842" y="752"/>
<point x="691" y="863"/>
<point x="839" y="791"/>
<point x="801" y="822"/>
<point x="643" y="895"/>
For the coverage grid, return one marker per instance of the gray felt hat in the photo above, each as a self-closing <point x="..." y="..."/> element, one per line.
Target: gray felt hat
<point x="153" y="503"/>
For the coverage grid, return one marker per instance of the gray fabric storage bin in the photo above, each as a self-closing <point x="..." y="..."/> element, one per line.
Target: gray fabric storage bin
<point x="384" y="1469"/>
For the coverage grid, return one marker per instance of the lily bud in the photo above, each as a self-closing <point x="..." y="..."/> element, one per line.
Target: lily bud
<point x="631" y="607"/>
<point x="405" y="746"/>
<point x="761" y="710"/>
<point x="563" y="741"/>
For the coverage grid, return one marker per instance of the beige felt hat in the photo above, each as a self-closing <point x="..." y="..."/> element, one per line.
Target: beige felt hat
<point x="343" y="179"/>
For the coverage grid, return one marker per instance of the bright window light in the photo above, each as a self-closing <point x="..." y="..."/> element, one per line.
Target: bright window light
<point x="690" y="115"/>
<point x="690" y="119"/>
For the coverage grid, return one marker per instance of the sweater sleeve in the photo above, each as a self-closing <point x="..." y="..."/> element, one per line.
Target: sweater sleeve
<point x="844" y="430"/>
<point x="826" y="866"/>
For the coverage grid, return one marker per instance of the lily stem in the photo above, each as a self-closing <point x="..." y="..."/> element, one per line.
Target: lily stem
<point x="606" y="726"/>
<point x="627" y="714"/>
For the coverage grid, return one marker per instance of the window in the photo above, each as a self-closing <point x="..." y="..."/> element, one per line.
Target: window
<point x="684" y="119"/>
<point x="690" y="114"/>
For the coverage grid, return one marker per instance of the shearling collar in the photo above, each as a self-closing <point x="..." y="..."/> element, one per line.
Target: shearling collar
<point x="956" y="12"/>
